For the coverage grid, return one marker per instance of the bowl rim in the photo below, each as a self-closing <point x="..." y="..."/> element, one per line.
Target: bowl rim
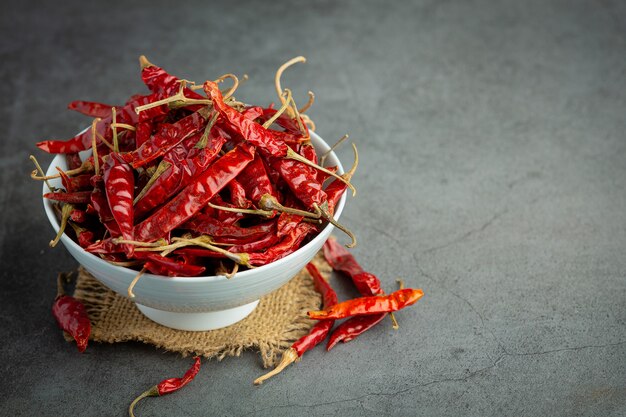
<point x="318" y="142"/>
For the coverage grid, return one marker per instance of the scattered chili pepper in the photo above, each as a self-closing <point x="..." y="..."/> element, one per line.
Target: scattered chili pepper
<point x="318" y="332"/>
<point x="167" y="386"/>
<point x="370" y="305"/>
<point x="71" y="316"/>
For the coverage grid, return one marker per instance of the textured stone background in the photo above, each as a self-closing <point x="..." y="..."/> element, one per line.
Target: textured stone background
<point x="493" y="175"/>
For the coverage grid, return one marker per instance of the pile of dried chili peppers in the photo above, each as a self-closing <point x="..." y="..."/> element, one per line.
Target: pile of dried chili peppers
<point x="188" y="181"/>
<point x="361" y="313"/>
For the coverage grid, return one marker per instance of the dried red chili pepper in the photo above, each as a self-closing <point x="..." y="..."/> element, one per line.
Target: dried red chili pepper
<point x="286" y="246"/>
<point x="85" y="237"/>
<point x="179" y="171"/>
<point x="71" y="316"/>
<point x="207" y="225"/>
<point x="255" y="181"/>
<point x="101" y="206"/>
<point x="167" y="386"/>
<point x="193" y="197"/>
<point x="237" y="194"/>
<point x="91" y="108"/>
<point x="263" y="243"/>
<point x="78" y="197"/>
<point x="119" y="187"/>
<point x="252" y="132"/>
<point x="161" y="265"/>
<point x="318" y="332"/>
<point x="370" y="305"/>
<point x="83" y="141"/>
<point x="340" y="259"/>
<point x="167" y="138"/>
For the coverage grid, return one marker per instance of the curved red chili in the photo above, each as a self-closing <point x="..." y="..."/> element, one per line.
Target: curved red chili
<point x="167" y="386"/>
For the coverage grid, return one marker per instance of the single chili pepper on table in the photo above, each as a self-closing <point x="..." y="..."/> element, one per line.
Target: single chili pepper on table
<point x="71" y="316"/>
<point x="318" y="332"/>
<point x="370" y="305"/>
<point x="167" y="386"/>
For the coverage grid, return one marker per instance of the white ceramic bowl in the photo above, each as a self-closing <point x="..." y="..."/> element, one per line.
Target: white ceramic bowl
<point x="198" y="303"/>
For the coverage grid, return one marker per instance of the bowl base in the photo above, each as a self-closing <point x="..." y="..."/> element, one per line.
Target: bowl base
<point x="199" y="321"/>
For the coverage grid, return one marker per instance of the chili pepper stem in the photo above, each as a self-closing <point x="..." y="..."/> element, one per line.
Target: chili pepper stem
<point x="291" y="154"/>
<point x="310" y="123"/>
<point x="163" y="166"/>
<point x="152" y="392"/>
<point x="203" y="241"/>
<point x="207" y="130"/>
<point x="131" y="294"/>
<point x="280" y="111"/>
<point x="69" y="173"/>
<point x="296" y="115"/>
<point x="328" y="217"/>
<point x="232" y="90"/>
<point x="66" y="211"/>
<point x="43" y="175"/>
<point x="264" y="213"/>
<point x="308" y="104"/>
<point x="289" y="357"/>
<point x="332" y="148"/>
<point x="279" y="74"/>
<point x="268" y="202"/>
<point x="144" y="63"/>
<point x="231" y="274"/>
<point x="394" y="321"/>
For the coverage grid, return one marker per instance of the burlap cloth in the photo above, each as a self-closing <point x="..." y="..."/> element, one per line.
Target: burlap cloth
<point x="273" y="326"/>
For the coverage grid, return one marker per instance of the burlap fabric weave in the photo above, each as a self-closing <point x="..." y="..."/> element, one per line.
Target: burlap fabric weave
<point x="273" y="326"/>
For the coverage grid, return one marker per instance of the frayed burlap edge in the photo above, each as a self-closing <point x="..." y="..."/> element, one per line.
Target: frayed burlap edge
<point x="272" y="327"/>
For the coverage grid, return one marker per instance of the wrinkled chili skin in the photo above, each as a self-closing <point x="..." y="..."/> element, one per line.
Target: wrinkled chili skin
<point x="255" y="181"/>
<point x="370" y="305"/>
<point x="91" y="108"/>
<point x="340" y="259"/>
<point x="119" y="185"/>
<point x="302" y="181"/>
<point x="320" y="330"/>
<point x="181" y="172"/>
<point x="265" y="242"/>
<point x="77" y="197"/>
<point x="72" y="317"/>
<point x="251" y="131"/>
<point x="353" y="327"/>
<point x="286" y="246"/>
<point x="167" y="138"/>
<point x="207" y="225"/>
<point x="160" y="265"/>
<point x="170" y="385"/>
<point x="193" y="197"/>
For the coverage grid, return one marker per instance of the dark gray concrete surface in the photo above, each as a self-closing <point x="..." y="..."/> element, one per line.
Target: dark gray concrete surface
<point x="493" y="174"/>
